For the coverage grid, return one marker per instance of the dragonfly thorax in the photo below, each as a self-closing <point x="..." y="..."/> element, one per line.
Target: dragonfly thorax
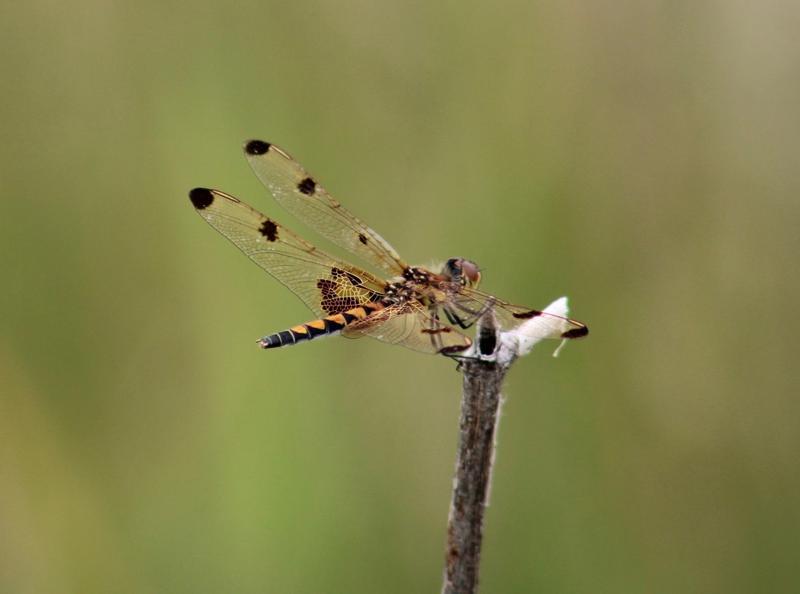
<point x="416" y="274"/>
<point x="422" y="285"/>
<point x="400" y="292"/>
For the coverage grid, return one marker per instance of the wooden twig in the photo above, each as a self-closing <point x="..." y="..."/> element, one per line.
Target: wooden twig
<point x="485" y="367"/>
<point x="480" y="412"/>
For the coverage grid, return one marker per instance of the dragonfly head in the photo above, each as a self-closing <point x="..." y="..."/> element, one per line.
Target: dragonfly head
<point x="462" y="271"/>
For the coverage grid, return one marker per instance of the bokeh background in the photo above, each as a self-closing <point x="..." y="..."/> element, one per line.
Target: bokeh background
<point x="639" y="157"/>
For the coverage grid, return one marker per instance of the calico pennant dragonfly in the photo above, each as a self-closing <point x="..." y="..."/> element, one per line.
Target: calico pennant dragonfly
<point x="417" y="308"/>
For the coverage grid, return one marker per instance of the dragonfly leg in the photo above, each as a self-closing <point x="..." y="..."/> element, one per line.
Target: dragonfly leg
<point x="455" y="319"/>
<point x="434" y="330"/>
<point x="474" y="315"/>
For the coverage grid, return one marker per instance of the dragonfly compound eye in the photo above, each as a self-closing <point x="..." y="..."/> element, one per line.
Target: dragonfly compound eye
<point x="471" y="272"/>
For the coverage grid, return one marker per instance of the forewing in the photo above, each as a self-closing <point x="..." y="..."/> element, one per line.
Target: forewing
<point x="549" y="325"/>
<point x="408" y="324"/>
<point x="301" y="194"/>
<point x="325" y="285"/>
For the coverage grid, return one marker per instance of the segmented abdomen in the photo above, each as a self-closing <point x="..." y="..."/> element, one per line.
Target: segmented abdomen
<point x="326" y="326"/>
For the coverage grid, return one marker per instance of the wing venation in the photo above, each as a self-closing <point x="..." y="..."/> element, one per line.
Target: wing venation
<point x="302" y="195"/>
<point x="326" y="285"/>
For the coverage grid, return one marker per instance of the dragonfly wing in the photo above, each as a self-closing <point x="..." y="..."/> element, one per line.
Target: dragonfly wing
<point x="325" y="285"/>
<point x="299" y="193"/>
<point x="470" y="301"/>
<point x="409" y="324"/>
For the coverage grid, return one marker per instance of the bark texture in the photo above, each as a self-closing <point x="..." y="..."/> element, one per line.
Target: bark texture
<point x="480" y="410"/>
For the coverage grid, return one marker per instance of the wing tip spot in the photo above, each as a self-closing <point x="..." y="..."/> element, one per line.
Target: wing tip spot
<point x="256" y="147"/>
<point x="579" y="332"/>
<point x="201" y="198"/>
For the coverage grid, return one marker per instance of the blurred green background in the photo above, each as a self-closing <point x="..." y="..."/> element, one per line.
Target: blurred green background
<point x="641" y="158"/>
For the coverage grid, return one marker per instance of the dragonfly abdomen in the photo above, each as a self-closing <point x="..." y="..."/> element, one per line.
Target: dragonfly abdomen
<point x="327" y="326"/>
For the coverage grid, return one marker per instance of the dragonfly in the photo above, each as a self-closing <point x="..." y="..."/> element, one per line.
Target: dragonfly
<point x="424" y="310"/>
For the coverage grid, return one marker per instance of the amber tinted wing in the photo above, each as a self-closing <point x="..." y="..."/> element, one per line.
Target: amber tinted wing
<point x="299" y="193"/>
<point x="325" y="285"/>
<point x="409" y="324"/>
<point x="473" y="302"/>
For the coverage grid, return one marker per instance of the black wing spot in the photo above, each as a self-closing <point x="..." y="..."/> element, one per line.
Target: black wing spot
<point x="450" y="351"/>
<point x="256" y="147"/>
<point x="201" y="198"/>
<point x="269" y="230"/>
<point x="307" y="186"/>
<point x="576" y="332"/>
<point x="362" y="238"/>
<point x="527" y="315"/>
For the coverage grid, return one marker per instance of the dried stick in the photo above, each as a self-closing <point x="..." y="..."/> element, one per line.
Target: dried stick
<point x="480" y="412"/>
<point x="484" y="369"/>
